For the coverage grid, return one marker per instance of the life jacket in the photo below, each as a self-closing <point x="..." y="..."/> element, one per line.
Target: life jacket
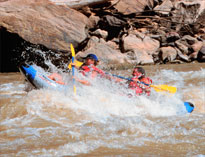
<point x="91" y="70"/>
<point x="138" y="87"/>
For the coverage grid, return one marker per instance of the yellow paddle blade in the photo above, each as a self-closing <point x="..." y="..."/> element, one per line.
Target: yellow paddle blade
<point x="77" y="64"/>
<point x="164" y="88"/>
<point x="72" y="50"/>
<point x="74" y="89"/>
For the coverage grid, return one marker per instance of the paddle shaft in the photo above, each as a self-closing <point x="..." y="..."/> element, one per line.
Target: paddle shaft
<point x="73" y="70"/>
<point x="129" y="79"/>
<point x="73" y="67"/>
<point x="157" y="88"/>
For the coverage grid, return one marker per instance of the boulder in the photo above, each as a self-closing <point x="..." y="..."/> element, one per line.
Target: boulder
<point x="44" y="23"/>
<point x="113" y="21"/>
<point x="182" y="46"/>
<point x="201" y="54"/>
<point x="189" y="39"/>
<point x="105" y="52"/>
<point x="143" y="58"/>
<point x="127" y="7"/>
<point x="164" y="8"/>
<point x="182" y="56"/>
<point x="197" y="46"/>
<point x="172" y="36"/>
<point x="193" y="56"/>
<point x="94" y="20"/>
<point x="100" y="33"/>
<point x="140" y="46"/>
<point x="189" y="11"/>
<point x="78" y="3"/>
<point x="168" y="53"/>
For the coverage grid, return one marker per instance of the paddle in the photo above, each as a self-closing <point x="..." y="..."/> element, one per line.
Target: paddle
<point x="73" y="67"/>
<point x="157" y="88"/>
<point x="77" y="64"/>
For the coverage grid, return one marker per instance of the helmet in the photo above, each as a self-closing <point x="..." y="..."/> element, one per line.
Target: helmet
<point x="92" y="56"/>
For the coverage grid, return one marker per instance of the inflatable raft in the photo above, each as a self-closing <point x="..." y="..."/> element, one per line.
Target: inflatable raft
<point x="39" y="80"/>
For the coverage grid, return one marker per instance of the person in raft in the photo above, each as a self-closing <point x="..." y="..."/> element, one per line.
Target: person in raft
<point x="89" y="69"/>
<point x="57" y="78"/>
<point x="139" y="75"/>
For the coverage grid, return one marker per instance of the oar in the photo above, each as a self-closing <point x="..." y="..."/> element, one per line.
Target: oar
<point x="77" y="64"/>
<point x="157" y="88"/>
<point x="73" y="67"/>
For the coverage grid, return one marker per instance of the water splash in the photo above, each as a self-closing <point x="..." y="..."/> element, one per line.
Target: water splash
<point x="50" y="123"/>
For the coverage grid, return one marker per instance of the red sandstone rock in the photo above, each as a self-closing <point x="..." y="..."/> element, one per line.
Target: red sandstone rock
<point x="42" y="22"/>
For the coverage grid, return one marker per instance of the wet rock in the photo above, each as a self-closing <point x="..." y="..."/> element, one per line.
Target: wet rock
<point x="44" y="23"/>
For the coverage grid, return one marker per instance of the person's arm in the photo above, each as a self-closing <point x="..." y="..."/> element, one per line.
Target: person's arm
<point x="74" y="64"/>
<point x="146" y="88"/>
<point x="84" y="82"/>
<point x="57" y="78"/>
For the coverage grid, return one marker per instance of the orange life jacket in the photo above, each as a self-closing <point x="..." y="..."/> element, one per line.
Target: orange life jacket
<point x="138" y="87"/>
<point x="91" y="70"/>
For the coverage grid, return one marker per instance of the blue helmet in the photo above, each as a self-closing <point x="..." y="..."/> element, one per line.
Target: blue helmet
<point x="92" y="56"/>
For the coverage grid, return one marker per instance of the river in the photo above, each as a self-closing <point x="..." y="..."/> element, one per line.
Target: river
<point x="101" y="121"/>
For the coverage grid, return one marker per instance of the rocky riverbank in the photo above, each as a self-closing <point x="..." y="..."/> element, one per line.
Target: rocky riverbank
<point x="120" y="32"/>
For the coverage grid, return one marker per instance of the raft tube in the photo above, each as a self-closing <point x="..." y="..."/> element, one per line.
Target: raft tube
<point x="39" y="80"/>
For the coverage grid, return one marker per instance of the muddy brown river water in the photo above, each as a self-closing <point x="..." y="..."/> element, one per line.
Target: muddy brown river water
<point x="100" y="121"/>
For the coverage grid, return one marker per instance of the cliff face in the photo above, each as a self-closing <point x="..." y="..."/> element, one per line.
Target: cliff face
<point x="118" y="31"/>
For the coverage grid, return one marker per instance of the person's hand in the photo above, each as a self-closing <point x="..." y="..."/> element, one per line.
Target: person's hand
<point x="73" y="64"/>
<point x="87" y="83"/>
<point x="136" y="80"/>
